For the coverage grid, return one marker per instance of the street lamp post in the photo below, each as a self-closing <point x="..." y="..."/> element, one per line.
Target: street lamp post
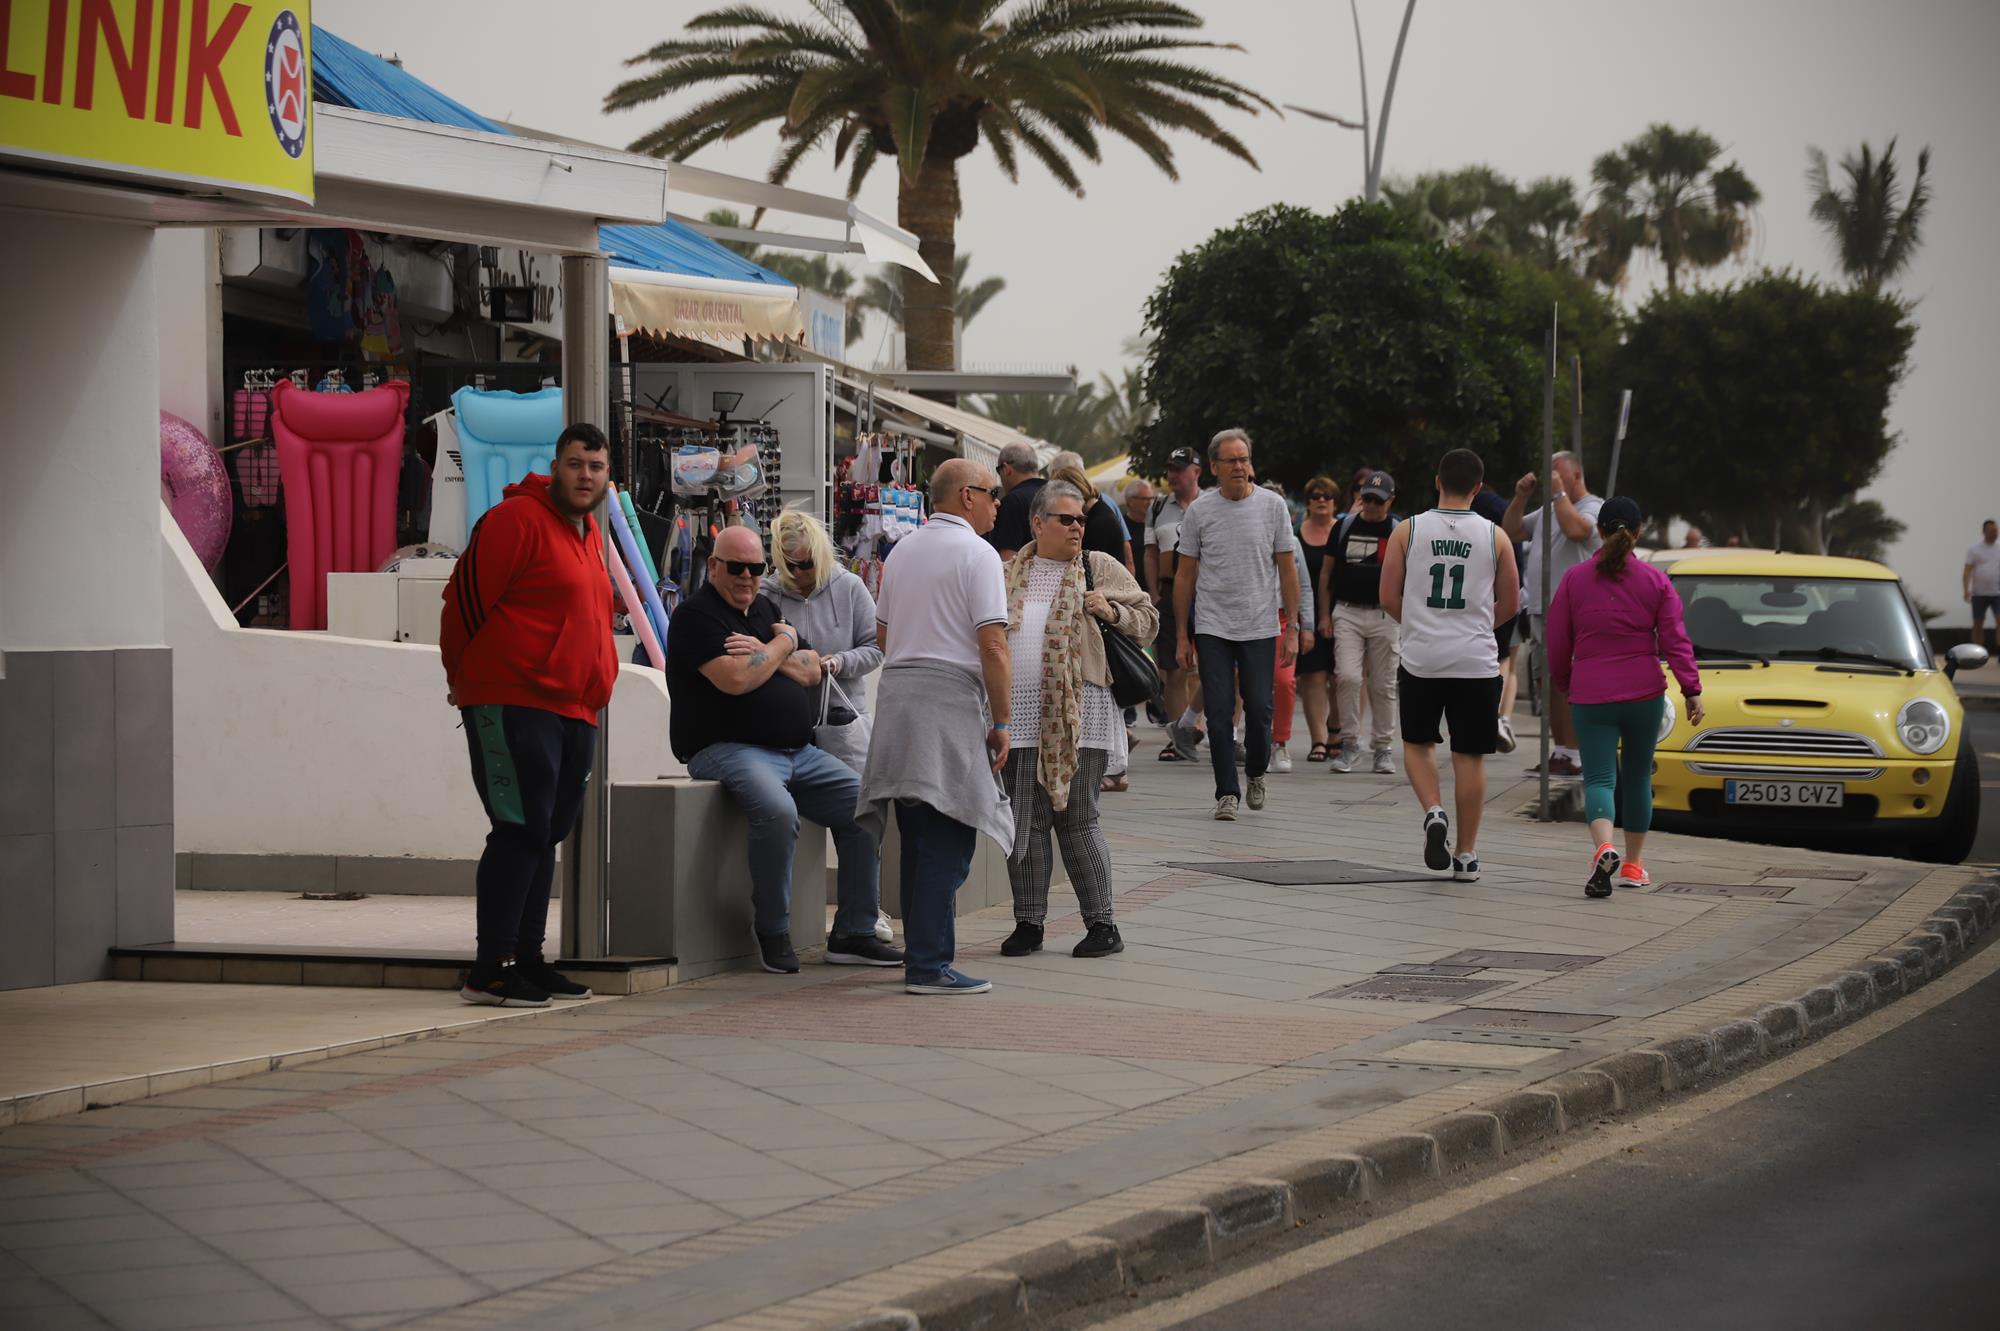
<point x="1371" y="155"/>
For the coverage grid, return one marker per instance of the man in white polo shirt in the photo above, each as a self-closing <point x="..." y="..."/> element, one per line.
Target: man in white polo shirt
<point x="941" y="715"/>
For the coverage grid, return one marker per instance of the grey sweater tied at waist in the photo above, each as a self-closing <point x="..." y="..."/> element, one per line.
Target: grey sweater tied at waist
<point x="930" y="746"/>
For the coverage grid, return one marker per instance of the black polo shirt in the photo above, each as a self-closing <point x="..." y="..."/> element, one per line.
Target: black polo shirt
<point x="778" y="714"/>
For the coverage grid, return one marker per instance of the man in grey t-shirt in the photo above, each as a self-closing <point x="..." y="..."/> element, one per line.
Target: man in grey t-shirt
<point x="1236" y="553"/>
<point x="1574" y="540"/>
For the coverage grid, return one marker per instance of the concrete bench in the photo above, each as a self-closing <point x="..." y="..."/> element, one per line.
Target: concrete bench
<point x="680" y="877"/>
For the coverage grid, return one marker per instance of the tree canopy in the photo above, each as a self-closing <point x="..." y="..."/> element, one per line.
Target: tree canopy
<point x="1762" y="408"/>
<point x="1663" y="192"/>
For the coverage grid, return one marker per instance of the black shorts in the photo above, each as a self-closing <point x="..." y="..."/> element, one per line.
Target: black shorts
<point x="1983" y="606"/>
<point x="1469" y="708"/>
<point x="1503" y="636"/>
<point x="1166" y="642"/>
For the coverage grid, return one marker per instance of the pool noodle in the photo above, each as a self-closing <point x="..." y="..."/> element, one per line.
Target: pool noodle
<point x="632" y="519"/>
<point x="641" y="623"/>
<point x="648" y="600"/>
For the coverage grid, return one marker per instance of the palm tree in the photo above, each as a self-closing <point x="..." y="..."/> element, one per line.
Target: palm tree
<point x="1873" y="237"/>
<point x="879" y="293"/>
<point x="922" y="82"/>
<point x="1663" y="192"/>
<point x="818" y="273"/>
<point x="1477" y="208"/>
<point x="1067" y="420"/>
<point x="1127" y="411"/>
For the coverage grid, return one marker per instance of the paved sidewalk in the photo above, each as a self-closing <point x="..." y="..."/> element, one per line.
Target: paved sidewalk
<point x="760" y="1152"/>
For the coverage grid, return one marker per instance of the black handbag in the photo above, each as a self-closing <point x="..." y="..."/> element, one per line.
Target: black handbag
<point x="1134" y="677"/>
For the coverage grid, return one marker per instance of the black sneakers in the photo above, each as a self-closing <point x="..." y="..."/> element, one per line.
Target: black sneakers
<point x="1026" y="938"/>
<point x="501" y="984"/>
<point x="859" y="950"/>
<point x="1437" y="828"/>
<point x="543" y="976"/>
<point x="1101" y="941"/>
<point x="775" y="950"/>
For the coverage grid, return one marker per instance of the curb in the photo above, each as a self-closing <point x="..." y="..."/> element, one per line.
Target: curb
<point x="1177" y="1240"/>
<point x="1981" y="701"/>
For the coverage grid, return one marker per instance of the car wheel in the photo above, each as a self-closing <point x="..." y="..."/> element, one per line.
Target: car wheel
<point x="1958" y="826"/>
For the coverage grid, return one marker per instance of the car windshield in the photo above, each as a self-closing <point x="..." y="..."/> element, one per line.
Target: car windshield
<point x="1833" y="619"/>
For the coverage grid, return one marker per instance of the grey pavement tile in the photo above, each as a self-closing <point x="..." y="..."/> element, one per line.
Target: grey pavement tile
<point x="89" y="1230"/>
<point x="862" y="1178"/>
<point x="282" y="1216"/>
<point x="128" y="1178"/>
<point x="307" y="1269"/>
<point x="401" y="1112"/>
<point x="830" y="1135"/>
<point x="456" y="1134"/>
<point x="346" y="1164"/>
<point x="965" y="1148"/>
<point x="307" y="1241"/>
<point x="586" y="1170"/>
<point x="571" y="1253"/>
<point x="224" y="1098"/>
<point x="157" y="1282"/>
<point x="880" y="1156"/>
<point x="476" y="1152"/>
<point x="631" y="1123"/>
<point x="66" y="1206"/>
<point x="19" y="1294"/>
<point x="69" y="1317"/>
<point x="116" y="1255"/>
<point x="403" y="1183"/>
<point x="189" y="1311"/>
<point x="308" y="1143"/>
<point x="612" y="1222"/>
<point x="411" y="1294"/>
<point x="860" y="1093"/>
<point x="456" y="1231"/>
<point x="637" y="1243"/>
<point x="1040" y="1124"/>
<point x="503" y="1281"/>
<point x="792" y="1183"/>
<point x="427" y="1205"/>
<point x="559" y="1198"/>
<point x="214" y="1196"/>
<point x="591" y="1103"/>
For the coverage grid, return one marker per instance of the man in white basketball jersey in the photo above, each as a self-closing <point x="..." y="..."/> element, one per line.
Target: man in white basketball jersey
<point x="1448" y="576"/>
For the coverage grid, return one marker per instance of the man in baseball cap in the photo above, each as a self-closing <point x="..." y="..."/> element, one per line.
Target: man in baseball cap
<point x="1365" y="639"/>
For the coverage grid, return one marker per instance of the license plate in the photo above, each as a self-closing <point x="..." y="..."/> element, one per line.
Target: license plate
<point x="1786" y="794"/>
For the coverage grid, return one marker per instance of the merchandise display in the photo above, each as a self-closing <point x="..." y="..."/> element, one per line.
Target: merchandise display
<point x="340" y="455"/>
<point x="195" y="485"/>
<point x="501" y="438"/>
<point x="647" y="607"/>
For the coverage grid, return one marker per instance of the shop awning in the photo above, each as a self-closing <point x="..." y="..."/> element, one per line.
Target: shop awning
<point x="706" y="308"/>
<point x="980" y="439"/>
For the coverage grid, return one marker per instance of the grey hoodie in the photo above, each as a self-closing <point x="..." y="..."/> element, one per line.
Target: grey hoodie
<point x="836" y="620"/>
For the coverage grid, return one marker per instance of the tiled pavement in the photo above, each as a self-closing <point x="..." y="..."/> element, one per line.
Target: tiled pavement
<point x="761" y="1152"/>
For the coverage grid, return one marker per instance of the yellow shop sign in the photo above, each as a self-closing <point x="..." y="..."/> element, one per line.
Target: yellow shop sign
<point x="201" y="92"/>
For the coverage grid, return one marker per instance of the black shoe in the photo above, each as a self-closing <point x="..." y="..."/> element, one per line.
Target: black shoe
<point x="1437" y="827"/>
<point x="501" y="984"/>
<point x="1101" y="941"/>
<point x="1026" y="938"/>
<point x="860" y="950"/>
<point x="542" y="975"/>
<point x="777" y="954"/>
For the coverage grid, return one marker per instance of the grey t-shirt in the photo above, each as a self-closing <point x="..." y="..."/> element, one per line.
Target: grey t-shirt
<point x="1568" y="553"/>
<point x="1237" y="596"/>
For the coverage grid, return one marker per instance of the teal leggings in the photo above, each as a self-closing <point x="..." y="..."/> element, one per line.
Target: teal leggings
<point x="1599" y="729"/>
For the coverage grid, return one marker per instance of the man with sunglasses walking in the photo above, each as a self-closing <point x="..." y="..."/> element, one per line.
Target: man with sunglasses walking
<point x="744" y="686"/>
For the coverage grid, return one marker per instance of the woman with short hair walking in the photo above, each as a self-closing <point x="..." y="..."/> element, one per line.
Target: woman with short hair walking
<point x="1065" y="721"/>
<point x="1611" y="622"/>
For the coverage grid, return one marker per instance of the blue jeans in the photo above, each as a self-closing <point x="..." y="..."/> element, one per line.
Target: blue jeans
<point x="937" y="855"/>
<point x="1221" y="660"/>
<point x="776" y="787"/>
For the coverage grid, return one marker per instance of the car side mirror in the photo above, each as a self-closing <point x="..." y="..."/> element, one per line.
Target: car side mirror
<point x="1965" y="656"/>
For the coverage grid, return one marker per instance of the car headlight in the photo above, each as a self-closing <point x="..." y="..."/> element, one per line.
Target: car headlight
<point x="1668" y="718"/>
<point x="1922" y="726"/>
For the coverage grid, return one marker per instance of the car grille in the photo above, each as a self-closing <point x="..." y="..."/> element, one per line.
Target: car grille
<point x="1769" y="740"/>
<point x="1785" y="773"/>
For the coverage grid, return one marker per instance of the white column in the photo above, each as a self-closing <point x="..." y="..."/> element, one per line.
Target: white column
<point x="586" y="290"/>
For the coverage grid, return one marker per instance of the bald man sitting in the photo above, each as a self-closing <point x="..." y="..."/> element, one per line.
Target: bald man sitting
<point x="745" y="692"/>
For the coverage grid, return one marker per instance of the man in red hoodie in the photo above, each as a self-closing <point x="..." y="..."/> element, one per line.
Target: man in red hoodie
<point x="528" y="660"/>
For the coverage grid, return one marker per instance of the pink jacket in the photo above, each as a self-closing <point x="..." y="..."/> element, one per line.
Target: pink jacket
<point x="1607" y="636"/>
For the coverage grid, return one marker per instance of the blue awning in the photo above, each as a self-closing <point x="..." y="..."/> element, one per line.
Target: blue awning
<point x="345" y="75"/>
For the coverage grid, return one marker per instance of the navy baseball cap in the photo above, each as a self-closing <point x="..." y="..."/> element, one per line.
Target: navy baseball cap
<point x="1620" y="514"/>
<point x="1377" y="485"/>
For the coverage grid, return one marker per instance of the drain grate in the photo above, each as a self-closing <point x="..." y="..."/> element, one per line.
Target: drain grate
<point x="1821" y="875"/>
<point x="1516" y="1019"/>
<point x="1307" y="873"/>
<point x="1459" y="972"/>
<point x="1415" y="989"/>
<point x="1518" y="961"/>
<point x="1754" y="891"/>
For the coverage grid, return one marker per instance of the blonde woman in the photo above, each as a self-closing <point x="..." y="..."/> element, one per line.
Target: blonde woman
<point x="1065" y="723"/>
<point x="831" y="609"/>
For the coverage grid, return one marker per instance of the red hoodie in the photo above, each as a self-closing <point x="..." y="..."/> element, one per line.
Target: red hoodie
<point x="527" y="612"/>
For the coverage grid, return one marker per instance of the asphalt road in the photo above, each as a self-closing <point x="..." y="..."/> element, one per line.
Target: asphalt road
<point x="1861" y="1194"/>
<point x="1985" y="728"/>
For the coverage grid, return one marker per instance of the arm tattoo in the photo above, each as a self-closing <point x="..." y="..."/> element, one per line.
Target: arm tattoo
<point x="757" y="659"/>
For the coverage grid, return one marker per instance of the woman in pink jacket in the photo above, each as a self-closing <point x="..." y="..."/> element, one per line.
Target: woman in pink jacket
<point x="1612" y="621"/>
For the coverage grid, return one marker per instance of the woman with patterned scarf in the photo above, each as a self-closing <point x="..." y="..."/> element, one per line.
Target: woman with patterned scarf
<point x="1065" y="721"/>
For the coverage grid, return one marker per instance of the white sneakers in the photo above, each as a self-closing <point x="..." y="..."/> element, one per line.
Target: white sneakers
<point x="1281" y="758"/>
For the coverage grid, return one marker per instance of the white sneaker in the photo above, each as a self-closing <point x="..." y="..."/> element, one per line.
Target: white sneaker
<point x="1281" y="758"/>
<point x="884" y="931"/>
<point x="1507" y="740"/>
<point x="1344" y="761"/>
<point x="1384" y="764"/>
<point x="1225" y="809"/>
<point x="1465" y="868"/>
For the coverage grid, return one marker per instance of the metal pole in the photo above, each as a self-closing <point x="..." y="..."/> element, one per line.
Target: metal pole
<point x="1542" y="534"/>
<point x="1388" y="96"/>
<point x="586" y="364"/>
<point x="1618" y="442"/>
<point x="1367" y="144"/>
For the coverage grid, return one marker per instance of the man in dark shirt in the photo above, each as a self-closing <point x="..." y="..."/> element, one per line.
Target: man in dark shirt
<point x="1365" y="639"/>
<point x="1021" y="474"/>
<point x="745" y="691"/>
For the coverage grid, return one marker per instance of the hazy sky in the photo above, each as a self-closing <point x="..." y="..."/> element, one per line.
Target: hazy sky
<point x="1532" y="87"/>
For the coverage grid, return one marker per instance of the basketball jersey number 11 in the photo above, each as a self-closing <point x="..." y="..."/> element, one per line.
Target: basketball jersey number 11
<point x="1448" y="596"/>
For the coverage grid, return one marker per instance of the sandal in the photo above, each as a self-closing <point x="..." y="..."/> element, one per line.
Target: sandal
<point x="1316" y="754"/>
<point x="1170" y="754"/>
<point x="1114" y="785"/>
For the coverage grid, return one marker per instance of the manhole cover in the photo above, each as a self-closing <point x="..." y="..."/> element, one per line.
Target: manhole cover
<point x="1517" y="961"/>
<point x="1455" y="971"/>
<point x="1759" y="891"/>
<point x="1415" y="989"/>
<point x="1515" y="1019"/>
<point x="1307" y="873"/>
<point x="1823" y="875"/>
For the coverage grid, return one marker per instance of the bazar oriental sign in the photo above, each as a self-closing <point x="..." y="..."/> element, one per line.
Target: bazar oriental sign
<point x="197" y="92"/>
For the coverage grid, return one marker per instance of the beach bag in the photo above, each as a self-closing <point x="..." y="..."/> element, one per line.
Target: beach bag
<point x="842" y="730"/>
<point x="1134" y="677"/>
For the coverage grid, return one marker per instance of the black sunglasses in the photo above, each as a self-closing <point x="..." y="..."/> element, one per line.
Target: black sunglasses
<point x="992" y="492"/>
<point x="1066" y="519"/>
<point x="802" y="565"/>
<point x="754" y="567"/>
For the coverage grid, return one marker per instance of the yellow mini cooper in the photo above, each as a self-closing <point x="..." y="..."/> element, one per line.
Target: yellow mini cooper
<point x="1825" y="712"/>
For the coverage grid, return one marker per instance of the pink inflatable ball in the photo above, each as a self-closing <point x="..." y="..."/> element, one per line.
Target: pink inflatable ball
<point x="195" y="487"/>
